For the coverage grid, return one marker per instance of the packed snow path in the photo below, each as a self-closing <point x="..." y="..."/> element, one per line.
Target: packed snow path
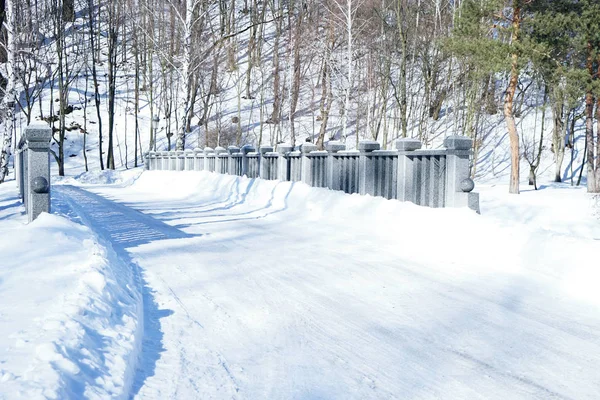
<point x="261" y="293"/>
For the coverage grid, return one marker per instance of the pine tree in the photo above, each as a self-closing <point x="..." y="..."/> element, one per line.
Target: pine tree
<point x="487" y="35"/>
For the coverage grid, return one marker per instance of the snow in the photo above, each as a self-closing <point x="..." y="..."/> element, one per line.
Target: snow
<point x="69" y="309"/>
<point x="198" y="285"/>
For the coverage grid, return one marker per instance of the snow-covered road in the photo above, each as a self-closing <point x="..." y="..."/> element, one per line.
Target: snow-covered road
<point x="267" y="290"/>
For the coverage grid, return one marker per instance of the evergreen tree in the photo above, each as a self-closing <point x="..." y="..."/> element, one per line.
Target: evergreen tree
<point x="488" y="34"/>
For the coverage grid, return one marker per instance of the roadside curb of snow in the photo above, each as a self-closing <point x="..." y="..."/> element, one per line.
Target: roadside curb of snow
<point x="122" y="322"/>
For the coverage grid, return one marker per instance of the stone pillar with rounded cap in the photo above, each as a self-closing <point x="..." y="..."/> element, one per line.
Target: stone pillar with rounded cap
<point x="459" y="185"/>
<point x="37" y="138"/>
<point x="366" y="170"/>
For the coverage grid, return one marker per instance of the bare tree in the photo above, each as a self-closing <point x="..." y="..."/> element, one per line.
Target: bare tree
<point x="9" y="98"/>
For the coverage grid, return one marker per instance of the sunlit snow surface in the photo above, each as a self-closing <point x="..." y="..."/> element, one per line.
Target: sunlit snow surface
<point x="197" y="285"/>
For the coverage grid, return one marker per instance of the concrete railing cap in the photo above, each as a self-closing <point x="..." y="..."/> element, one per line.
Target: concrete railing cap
<point x="335" y="146"/>
<point x="284" y="148"/>
<point x="265" y="149"/>
<point x="368" y="145"/>
<point x="38" y="132"/>
<point x="247" y="148"/>
<point x="307" y="147"/>
<point x="408" y="144"/>
<point x="457" y="142"/>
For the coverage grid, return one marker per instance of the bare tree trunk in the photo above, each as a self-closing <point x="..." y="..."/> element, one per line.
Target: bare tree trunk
<point x="2" y="11"/>
<point x="533" y="166"/>
<point x="592" y="186"/>
<point x="325" y="104"/>
<point x="84" y="130"/>
<point x="8" y="102"/>
<point x="136" y="102"/>
<point x="90" y="4"/>
<point x="276" y="114"/>
<point x="63" y="86"/>
<point x="596" y="175"/>
<point x="186" y="103"/>
<point x="403" y="67"/>
<point x="295" y="89"/>
<point x="349" y="71"/>
<point x="68" y="10"/>
<point x="508" y="104"/>
<point x="558" y="133"/>
<point x="112" y="72"/>
<point x="251" y="50"/>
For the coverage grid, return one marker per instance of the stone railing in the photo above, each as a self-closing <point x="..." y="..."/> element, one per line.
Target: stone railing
<point x="433" y="178"/>
<point x="32" y="169"/>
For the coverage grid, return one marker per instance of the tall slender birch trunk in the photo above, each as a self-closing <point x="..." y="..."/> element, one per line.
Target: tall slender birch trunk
<point x="185" y="105"/>
<point x="9" y="99"/>
<point x="349" y="20"/>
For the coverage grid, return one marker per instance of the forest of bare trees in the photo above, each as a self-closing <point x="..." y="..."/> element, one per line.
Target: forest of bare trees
<point x="355" y="69"/>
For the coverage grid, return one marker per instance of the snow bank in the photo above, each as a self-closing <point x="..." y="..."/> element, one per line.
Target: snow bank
<point x="553" y="231"/>
<point x="69" y="310"/>
<point x="103" y="177"/>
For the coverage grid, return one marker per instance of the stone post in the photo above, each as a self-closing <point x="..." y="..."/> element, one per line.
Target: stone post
<point x="180" y="160"/>
<point x="283" y="162"/>
<point x="334" y="167"/>
<point x="247" y="148"/>
<point x="38" y="170"/>
<point x="263" y="169"/>
<point x="459" y="185"/>
<point x="404" y="188"/>
<point x="172" y="160"/>
<point x="366" y="181"/>
<point x="188" y="161"/>
<point x="221" y="153"/>
<point x="208" y="156"/>
<point x="232" y="159"/>
<point x="198" y="160"/>
<point x="307" y="163"/>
